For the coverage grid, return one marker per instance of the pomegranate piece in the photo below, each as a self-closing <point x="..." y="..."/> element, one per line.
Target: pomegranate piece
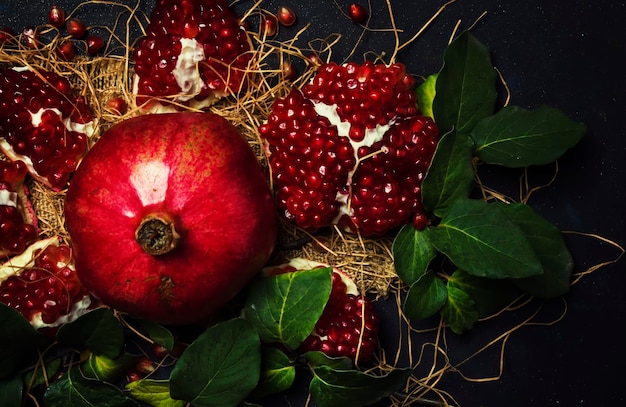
<point x="286" y="16"/>
<point x="194" y="52"/>
<point x="349" y="324"/>
<point x="76" y="28"/>
<point x="350" y="149"/>
<point x="56" y="16"/>
<point x="18" y="224"/>
<point x="41" y="284"/>
<point x="357" y="13"/>
<point x="43" y="124"/>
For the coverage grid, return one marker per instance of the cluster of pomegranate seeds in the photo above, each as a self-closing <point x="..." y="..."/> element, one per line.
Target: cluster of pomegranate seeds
<point x="194" y="50"/>
<point x="16" y="229"/>
<point x="350" y="148"/>
<point x="48" y="288"/>
<point x="43" y="124"/>
<point x="348" y="326"/>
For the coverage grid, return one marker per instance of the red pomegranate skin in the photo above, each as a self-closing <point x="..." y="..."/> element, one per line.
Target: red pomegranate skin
<point x="194" y="169"/>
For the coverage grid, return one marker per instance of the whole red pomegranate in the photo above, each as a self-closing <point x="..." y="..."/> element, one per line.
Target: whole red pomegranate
<point x="170" y="216"/>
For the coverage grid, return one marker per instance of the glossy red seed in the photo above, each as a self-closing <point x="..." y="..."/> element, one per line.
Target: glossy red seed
<point x="286" y="16"/>
<point x="30" y="37"/>
<point x="76" y="28"/>
<point x="66" y="50"/>
<point x="56" y="16"/>
<point x="117" y="105"/>
<point x="357" y="13"/>
<point x="269" y="25"/>
<point x="95" y="43"/>
<point x="6" y="35"/>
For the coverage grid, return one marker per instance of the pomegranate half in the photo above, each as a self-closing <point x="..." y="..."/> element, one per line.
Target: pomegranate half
<point x="170" y="216"/>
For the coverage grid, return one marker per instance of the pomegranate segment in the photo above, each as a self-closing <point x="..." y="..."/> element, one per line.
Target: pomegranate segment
<point x="43" y="124"/>
<point x="41" y="284"/>
<point x="18" y="224"/>
<point x="194" y="52"/>
<point x="350" y="149"/>
<point x="170" y="216"/>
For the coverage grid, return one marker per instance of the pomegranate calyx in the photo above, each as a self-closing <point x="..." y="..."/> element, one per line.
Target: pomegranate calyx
<point x="156" y="234"/>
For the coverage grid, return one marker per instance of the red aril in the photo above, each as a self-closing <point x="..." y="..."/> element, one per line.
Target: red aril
<point x="170" y="216"/>
<point x="56" y="16"/>
<point x="75" y="28"/>
<point x="286" y="16"/>
<point x="357" y="13"/>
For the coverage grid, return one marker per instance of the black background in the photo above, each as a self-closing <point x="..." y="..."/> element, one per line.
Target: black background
<point x="565" y="54"/>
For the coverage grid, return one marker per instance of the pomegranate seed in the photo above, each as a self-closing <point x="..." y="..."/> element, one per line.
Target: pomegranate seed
<point x="134" y="376"/>
<point x="145" y="366"/>
<point x="66" y="51"/>
<point x="117" y="105"/>
<point x="314" y="59"/>
<point x="56" y="16"/>
<point x="289" y="70"/>
<point x="6" y="34"/>
<point x="270" y="25"/>
<point x="286" y="16"/>
<point x="94" y="44"/>
<point x="76" y="28"/>
<point x="357" y="13"/>
<point x="30" y="36"/>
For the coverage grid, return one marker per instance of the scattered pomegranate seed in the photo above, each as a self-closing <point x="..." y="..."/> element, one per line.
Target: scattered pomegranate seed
<point x="30" y="37"/>
<point x="286" y="16"/>
<point x="357" y="13"/>
<point x="56" y="16"/>
<point x="76" y="28"/>
<point x="133" y="376"/>
<point x="117" y="105"/>
<point x="94" y="44"/>
<point x="66" y="50"/>
<point x="6" y="34"/>
<point x="315" y="59"/>
<point x="145" y="366"/>
<point x="270" y="25"/>
<point x="289" y="70"/>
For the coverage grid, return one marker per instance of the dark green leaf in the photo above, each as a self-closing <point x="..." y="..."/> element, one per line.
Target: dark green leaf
<point x="548" y="243"/>
<point x="220" y="367"/>
<point x="426" y="94"/>
<point x="104" y="368"/>
<point x="490" y="296"/>
<point x="277" y="373"/>
<point x="316" y="359"/>
<point x="340" y="388"/>
<point x="285" y="308"/>
<point x="450" y="175"/>
<point x="412" y="253"/>
<point x="40" y="375"/>
<point x="154" y="392"/>
<point x="466" y="86"/>
<point x="479" y="238"/>
<point x="73" y="390"/>
<point x="460" y="311"/>
<point x="516" y="137"/>
<point x="11" y="392"/>
<point x="154" y="331"/>
<point x="98" y="330"/>
<point x="425" y="297"/>
<point x="18" y="341"/>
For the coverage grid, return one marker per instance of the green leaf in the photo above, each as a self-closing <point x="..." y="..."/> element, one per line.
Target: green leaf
<point x="425" y="297"/>
<point x="11" y="392"/>
<point x="426" y="94"/>
<point x="450" y="175"/>
<point x="104" y="368"/>
<point x="73" y="390"/>
<point x="18" y="341"/>
<point x="490" y="296"/>
<point x="516" y="137"/>
<point x="479" y="238"/>
<point x="41" y="374"/>
<point x="277" y="373"/>
<point x="339" y="388"/>
<point x="316" y="359"/>
<point x="412" y="253"/>
<point x="158" y="333"/>
<point x="466" y="86"/>
<point x="459" y="311"/>
<point x="220" y="367"/>
<point x="550" y="248"/>
<point x="98" y="330"/>
<point x="154" y="392"/>
<point x="285" y="308"/>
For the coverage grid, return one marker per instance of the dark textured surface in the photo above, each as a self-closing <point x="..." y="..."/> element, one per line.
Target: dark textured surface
<point x="564" y="55"/>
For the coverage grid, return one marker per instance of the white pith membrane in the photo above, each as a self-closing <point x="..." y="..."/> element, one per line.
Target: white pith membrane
<point x="187" y="77"/>
<point x="85" y="128"/>
<point x="372" y="136"/>
<point x="15" y="265"/>
<point x="8" y="198"/>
